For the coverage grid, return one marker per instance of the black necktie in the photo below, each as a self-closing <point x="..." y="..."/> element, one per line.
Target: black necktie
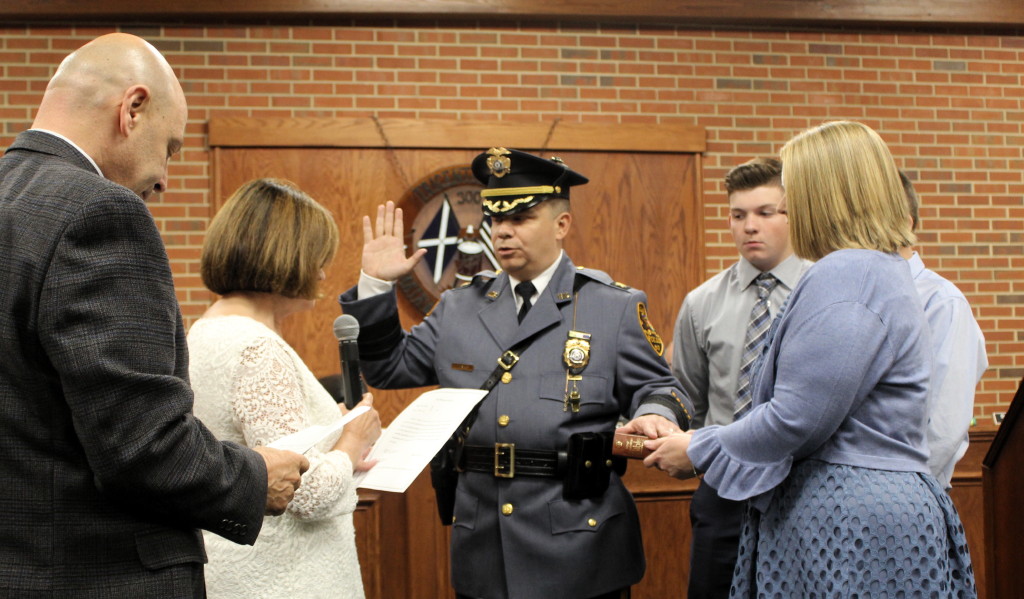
<point x="525" y="290"/>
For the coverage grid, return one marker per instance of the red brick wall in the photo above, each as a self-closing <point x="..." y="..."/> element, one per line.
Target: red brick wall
<point x="949" y="105"/>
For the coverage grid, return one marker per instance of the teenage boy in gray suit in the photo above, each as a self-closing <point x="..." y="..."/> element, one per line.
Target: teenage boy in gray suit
<point x="709" y="350"/>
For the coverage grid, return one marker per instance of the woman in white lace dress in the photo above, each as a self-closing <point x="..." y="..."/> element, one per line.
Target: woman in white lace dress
<point x="264" y="255"/>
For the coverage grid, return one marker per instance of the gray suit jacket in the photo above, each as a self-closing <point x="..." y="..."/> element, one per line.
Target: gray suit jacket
<point x="547" y="546"/>
<point x="107" y="474"/>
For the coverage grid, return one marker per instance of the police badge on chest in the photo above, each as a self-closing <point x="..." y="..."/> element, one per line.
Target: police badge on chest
<point x="576" y="357"/>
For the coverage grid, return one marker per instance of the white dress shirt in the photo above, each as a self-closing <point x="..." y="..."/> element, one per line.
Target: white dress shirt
<point x="958" y="362"/>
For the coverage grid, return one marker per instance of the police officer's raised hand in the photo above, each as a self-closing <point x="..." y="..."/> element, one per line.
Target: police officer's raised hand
<point x="384" y="245"/>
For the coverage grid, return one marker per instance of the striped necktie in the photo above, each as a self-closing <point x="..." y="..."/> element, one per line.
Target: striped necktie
<point x="753" y="345"/>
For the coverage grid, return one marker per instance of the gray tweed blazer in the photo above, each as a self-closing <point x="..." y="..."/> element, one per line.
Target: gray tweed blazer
<point x="107" y="475"/>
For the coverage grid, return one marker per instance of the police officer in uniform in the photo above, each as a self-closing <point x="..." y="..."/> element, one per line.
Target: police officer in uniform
<point x="539" y="509"/>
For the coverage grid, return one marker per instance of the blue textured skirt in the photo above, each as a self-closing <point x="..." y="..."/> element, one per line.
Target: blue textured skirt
<point x="842" y="531"/>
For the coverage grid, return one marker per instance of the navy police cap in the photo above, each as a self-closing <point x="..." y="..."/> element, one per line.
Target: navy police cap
<point x="516" y="181"/>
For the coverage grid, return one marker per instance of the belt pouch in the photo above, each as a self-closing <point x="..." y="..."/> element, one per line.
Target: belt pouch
<point x="587" y="471"/>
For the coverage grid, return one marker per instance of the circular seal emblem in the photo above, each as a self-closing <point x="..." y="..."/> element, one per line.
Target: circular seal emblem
<point x="443" y="214"/>
<point x="576" y="354"/>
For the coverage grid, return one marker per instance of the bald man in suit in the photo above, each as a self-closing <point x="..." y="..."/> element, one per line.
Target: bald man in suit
<point x="109" y="475"/>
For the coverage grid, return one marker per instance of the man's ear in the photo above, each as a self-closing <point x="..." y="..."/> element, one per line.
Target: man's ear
<point x="563" y="222"/>
<point x="134" y="101"/>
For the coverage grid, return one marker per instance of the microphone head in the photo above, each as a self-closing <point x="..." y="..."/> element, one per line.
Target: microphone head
<point x="346" y="328"/>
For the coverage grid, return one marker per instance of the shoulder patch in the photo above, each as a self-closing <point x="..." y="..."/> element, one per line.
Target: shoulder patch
<point x="648" y="329"/>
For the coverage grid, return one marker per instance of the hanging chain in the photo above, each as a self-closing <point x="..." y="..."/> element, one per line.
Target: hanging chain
<point x="392" y="155"/>
<point x="397" y="165"/>
<point x="551" y="131"/>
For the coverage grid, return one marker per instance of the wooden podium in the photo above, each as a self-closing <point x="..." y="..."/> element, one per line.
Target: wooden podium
<point x="1003" y="486"/>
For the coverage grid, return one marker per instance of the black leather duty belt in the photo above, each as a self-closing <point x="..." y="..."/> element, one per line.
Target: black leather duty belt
<point x="505" y="460"/>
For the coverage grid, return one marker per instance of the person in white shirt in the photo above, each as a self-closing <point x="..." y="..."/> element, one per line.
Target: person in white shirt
<point x="958" y="357"/>
<point x="264" y="255"/>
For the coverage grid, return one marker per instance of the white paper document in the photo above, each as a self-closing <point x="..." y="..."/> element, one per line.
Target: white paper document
<point x="412" y="439"/>
<point x="304" y="440"/>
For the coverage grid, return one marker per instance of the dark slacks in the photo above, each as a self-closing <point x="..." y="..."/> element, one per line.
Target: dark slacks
<point x="716" y="537"/>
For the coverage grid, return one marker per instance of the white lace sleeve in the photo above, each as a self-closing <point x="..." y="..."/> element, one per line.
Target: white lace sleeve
<point x="269" y="402"/>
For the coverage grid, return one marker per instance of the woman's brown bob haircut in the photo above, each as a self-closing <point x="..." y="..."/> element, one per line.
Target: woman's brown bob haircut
<point x="269" y="237"/>
<point x="843" y="191"/>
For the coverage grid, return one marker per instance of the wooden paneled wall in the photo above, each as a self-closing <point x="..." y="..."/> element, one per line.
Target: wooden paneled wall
<point x="620" y="227"/>
<point x="639" y="219"/>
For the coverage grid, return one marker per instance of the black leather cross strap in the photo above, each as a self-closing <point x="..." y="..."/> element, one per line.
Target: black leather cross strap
<point x="505" y="460"/>
<point x="505" y="363"/>
<point x="444" y="467"/>
<point x="508" y="359"/>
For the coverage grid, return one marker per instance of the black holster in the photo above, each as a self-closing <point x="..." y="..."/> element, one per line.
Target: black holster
<point x="589" y="465"/>
<point x="444" y="477"/>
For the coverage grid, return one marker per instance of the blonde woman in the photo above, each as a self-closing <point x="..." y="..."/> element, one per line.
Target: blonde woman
<point x="264" y="255"/>
<point x="832" y="457"/>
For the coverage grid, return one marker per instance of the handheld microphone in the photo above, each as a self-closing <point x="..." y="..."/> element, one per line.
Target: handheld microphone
<point x="346" y="329"/>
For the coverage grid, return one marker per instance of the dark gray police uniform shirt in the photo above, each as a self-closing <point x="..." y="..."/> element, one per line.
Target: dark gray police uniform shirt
<point x="518" y="537"/>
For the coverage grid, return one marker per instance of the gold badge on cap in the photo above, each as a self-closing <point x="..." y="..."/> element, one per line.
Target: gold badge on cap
<point x="499" y="161"/>
<point x="652" y="336"/>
